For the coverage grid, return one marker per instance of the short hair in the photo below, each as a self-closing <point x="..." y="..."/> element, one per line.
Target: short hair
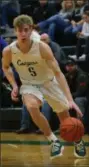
<point x="20" y="20"/>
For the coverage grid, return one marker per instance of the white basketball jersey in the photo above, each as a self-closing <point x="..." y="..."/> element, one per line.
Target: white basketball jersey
<point x="31" y="67"/>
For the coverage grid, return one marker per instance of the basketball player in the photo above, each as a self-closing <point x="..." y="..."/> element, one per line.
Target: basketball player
<point x="41" y="78"/>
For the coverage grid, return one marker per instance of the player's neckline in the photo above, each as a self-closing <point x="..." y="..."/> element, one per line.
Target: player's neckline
<point x="18" y="48"/>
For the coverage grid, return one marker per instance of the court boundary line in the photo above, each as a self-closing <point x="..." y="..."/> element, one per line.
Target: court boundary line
<point x="34" y="142"/>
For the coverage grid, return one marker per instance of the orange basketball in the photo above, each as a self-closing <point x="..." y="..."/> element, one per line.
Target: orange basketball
<point x="71" y="129"/>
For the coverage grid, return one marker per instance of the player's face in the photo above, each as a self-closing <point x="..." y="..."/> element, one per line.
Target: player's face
<point x="23" y="33"/>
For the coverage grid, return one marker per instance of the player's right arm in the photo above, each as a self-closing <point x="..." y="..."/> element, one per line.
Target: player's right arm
<point x="6" y="62"/>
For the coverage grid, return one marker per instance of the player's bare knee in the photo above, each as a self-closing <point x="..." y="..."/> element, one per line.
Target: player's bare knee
<point x="34" y="111"/>
<point x="32" y="105"/>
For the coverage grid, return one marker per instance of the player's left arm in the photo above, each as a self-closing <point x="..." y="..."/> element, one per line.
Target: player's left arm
<point x="47" y="54"/>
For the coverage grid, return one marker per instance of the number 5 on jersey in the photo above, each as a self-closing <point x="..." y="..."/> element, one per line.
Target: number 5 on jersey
<point x="32" y="71"/>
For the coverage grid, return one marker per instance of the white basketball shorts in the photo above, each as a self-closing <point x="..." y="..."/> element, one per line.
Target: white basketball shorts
<point x="51" y="92"/>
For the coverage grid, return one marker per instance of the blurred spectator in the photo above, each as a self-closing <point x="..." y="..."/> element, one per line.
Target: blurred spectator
<point x="79" y="10"/>
<point x="9" y="40"/>
<point x="38" y="9"/>
<point x="56" y="49"/>
<point x="85" y="29"/>
<point x="86" y="6"/>
<point x="3" y="44"/>
<point x="78" y="82"/>
<point x="26" y="122"/>
<point x="76" y="19"/>
<point x="59" y="21"/>
<point x="28" y="7"/>
<point x="9" y="10"/>
<point x="83" y="36"/>
<point x="44" y="10"/>
<point x="68" y="7"/>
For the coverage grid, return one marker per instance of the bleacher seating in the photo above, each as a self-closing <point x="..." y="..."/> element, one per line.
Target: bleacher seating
<point x="10" y="119"/>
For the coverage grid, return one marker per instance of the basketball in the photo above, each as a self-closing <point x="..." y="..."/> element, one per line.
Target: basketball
<point x="71" y="129"/>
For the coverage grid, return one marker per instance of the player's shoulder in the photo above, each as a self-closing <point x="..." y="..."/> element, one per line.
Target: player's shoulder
<point x="45" y="51"/>
<point x="43" y="46"/>
<point x="42" y="43"/>
<point x="7" y="49"/>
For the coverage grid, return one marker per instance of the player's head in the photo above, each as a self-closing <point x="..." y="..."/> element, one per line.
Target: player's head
<point x="23" y="25"/>
<point x="86" y="16"/>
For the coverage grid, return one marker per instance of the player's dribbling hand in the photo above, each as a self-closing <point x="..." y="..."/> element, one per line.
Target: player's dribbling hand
<point x="14" y="93"/>
<point x="74" y="106"/>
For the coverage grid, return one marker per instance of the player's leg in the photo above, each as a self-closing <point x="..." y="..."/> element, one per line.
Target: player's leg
<point x="33" y="103"/>
<point x="79" y="146"/>
<point x="57" y="100"/>
<point x="63" y="115"/>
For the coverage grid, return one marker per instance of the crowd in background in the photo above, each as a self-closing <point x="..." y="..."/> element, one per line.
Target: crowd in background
<point x="59" y="23"/>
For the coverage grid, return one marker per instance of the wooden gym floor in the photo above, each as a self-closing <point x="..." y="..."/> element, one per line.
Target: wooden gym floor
<point x="32" y="150"/>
